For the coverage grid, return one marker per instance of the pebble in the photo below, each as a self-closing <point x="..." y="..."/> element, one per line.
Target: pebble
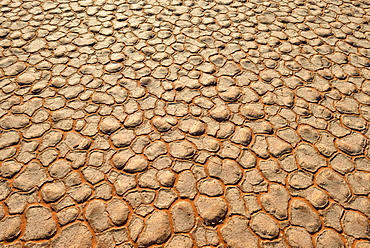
<point x="155" y="149"/>
<point x="300" y="179"/>
<point x="165" y="198"/>
<point x="342" y="163"/>
<point x="359" y="182"/>
<point x="52" y="192"/>
<point x="303" y="215"/>
<point x="161" y="124"/>
<point x="92" y="175"/>
<point x="186" y="185"/>
<point x="252" y="111"/>
<point x="220" y="113"/>
<point x="182" y="149"/>
<point x="60" y="168"/>
<point x="40" y="223"/>
<point x="180" y="241"/>
<point x="356" y="225"/>
<point x="33" y="175"/>
<point x="80" y="193"/>
<point x="118" y="211"/>
<point x="308" y="133"/>
<point x="227" y="170"/>
<point x="329" y="238"/>
<point x="212" y="210"/>
<point x="299" y="237"/>
<point x="352" y="144"/>
<point x="197" y="128"/>
<point x="26" y="79"/>
<point x="136" y="164"/>
<point x="210" y="187"/>
<point x="242" y="136"/>
<point x="9" y="168"/>
<point x="97" y="216"/>
<point x="10" y="228"/>
<point x="308" y="158"/>
<point x="157" y="230"/>
<point x="77" y="234"/>
<point x="182" y="216"/>
<point x="264" y="226"/>
<point x="237" y="234"/>
<point x="332" y="216"/>
<point x="109" y="125"/>
<point x="14" y="121"/>
<point x="316" y="197"/>
<point x="120" y="158"/>
<point x="113" y="67"/>
<point x="166" y="178"/>
<point x="36" y="130"/>
<point x="133" y="120"/>
<point x="278" y="147"/>
<point x="51" y="139"/>
<point x="122" y="138"/>
<point x="232" y="94"/>
<point x="15" y="69"/>
<point x="334" y="184"/>
<point x="276" y="201"/>
<point x="9" y="138"/>
<point x="67" y="215"/>
<point x="309" y="94"/>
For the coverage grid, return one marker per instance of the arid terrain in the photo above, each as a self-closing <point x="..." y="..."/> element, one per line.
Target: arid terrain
<point x="184" y="123"/>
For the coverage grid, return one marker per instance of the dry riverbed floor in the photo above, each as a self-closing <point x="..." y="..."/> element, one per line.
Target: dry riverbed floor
<point x="184" y="123"/>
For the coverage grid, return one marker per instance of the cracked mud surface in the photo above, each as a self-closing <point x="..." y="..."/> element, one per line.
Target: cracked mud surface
<point x="227" y="123"/>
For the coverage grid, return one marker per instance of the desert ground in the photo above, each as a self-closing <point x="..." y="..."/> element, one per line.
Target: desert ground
<point x="184" y="123"/>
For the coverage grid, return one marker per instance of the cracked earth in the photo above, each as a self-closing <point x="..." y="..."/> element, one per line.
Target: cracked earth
<point x="178" y="124"/>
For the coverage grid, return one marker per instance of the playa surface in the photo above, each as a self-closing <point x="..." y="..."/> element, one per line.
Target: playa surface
<point x="178" y="124"/>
